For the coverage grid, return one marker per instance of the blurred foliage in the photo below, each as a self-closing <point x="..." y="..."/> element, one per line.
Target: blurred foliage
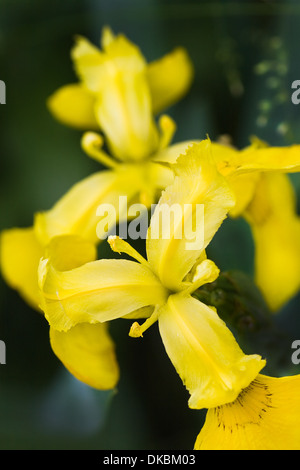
<point x="246" y="57"/>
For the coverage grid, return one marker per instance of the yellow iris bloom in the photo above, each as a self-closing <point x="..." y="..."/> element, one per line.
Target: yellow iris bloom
<point x="203" y="350"/>
<point x="265" y="416"/>
<point x="119" y="93"/>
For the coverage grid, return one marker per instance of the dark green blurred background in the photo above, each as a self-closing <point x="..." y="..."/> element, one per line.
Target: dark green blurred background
<point x="246" y="55"/>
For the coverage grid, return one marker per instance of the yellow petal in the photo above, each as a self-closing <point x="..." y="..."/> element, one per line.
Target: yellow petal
<point x="204" y="352"/>
<point x="124" y="114"/>
<point x="276" y="232"/>
<point x="257" y="157"/>
<point x="264" y="417"/>
<point x="158" y="178"/>
<point x="286" y="159"/>
<point x="169" y="78"/>
<point x="73" y="105"/>
<point x="107" y="37"/>
<point x="243" y="186"/>
<point x="20" y="257"/>
<point x="78" y="211"/>
<point x="70" y="251"/>
<point x="88" y="352"/>
<point x="226" y="158"/>
<point x="198" y="201"/>
<point x="88" y="61"/>
<point x="98" y="291"/>
<point x="158" y="171"/>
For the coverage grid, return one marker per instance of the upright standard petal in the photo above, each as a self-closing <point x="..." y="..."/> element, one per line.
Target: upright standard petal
<point x="275" y="227"/>
<point x="188" y="214"/>
<point x="204" y="352"/>
<point x="98" y="291"/>
<point x="88" y="352"/>
<point x="169" y="78"/>
<point x="88" y="61"/>
<point x="20" y="254"/>
<point x="265" y="416"/>
<point x="123" y="109"/>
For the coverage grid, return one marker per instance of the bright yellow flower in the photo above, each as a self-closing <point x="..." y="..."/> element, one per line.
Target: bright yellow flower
<point x="266" y="199"/>
<point x="119" y="93"/>
<point x="201" y="347"/>
<point x="123" y="93"/>
<point x="265" y="416"/>
<point x="118" y="79"/>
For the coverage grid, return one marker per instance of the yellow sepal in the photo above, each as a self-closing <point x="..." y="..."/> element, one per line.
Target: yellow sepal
<point x="88" y="352"/>
<point x="265" y="416"/>
<point x="204" y="352"/>
<point x="20" y="254"/>
<point x="275" y="227"/>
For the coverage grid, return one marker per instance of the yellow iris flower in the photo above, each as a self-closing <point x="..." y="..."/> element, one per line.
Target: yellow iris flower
<point x="203" y="350"/>
<point x="118" y="94"/>
<point x="265" y="197"/>
<point x="265" y="416"/>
